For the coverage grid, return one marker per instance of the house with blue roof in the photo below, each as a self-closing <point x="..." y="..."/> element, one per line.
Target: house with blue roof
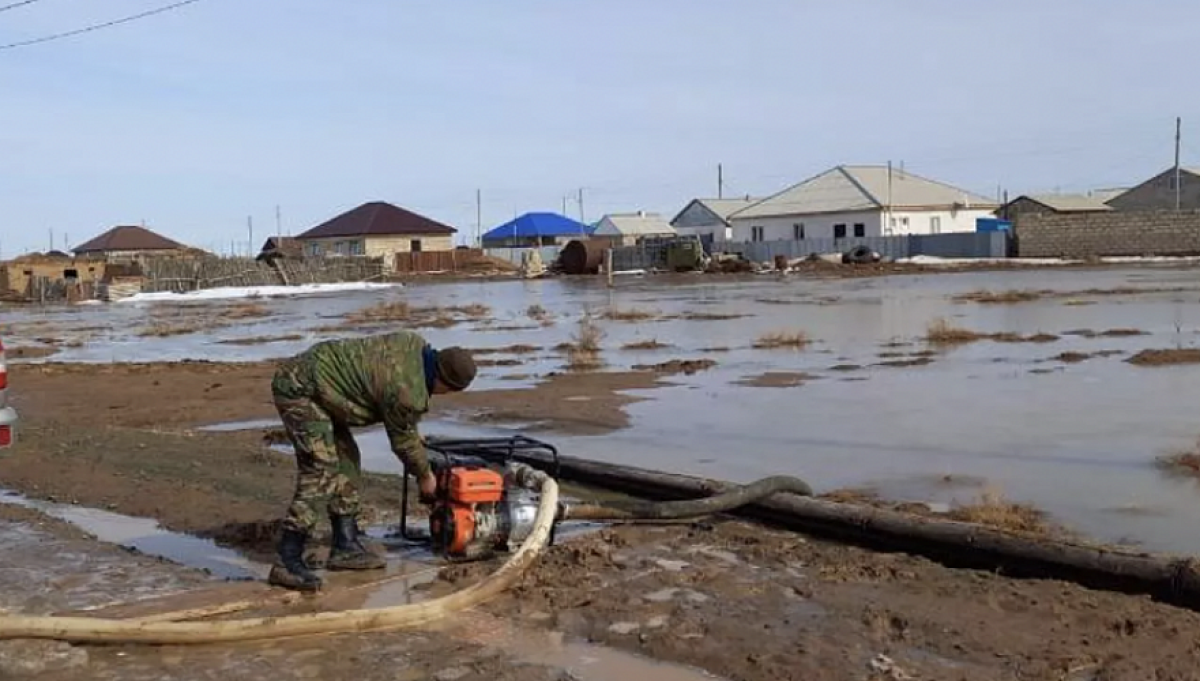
<point x="533" y="230"/>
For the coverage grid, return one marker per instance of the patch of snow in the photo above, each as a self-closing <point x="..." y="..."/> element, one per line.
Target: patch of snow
<point x="236" y="292"/>
<point x="935" y="260"/>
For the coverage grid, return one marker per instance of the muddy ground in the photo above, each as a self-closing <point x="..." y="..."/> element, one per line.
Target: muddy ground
<point x="741" y="601"/>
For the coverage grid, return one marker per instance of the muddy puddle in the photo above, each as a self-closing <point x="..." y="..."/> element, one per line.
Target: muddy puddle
<point x="146" y="536"/>
<point x="582" y="661"/>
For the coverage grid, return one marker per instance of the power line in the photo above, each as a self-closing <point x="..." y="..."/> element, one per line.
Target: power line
<point x="97" y="27"/>
<point x="15" y="5"/>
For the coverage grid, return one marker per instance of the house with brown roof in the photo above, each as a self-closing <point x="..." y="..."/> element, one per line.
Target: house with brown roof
<point x="377" y="230"/>
<point x="130" y="242"/>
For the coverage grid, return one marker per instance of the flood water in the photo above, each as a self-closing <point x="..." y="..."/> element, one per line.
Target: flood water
<point x="1077" y="440"/>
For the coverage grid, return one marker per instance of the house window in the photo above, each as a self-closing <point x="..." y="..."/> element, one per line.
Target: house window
<point x="839" y="231"/>
<point x="756" y="234"/>
<point x="904" y="222"/>
<point x="935" y="225"/>
<point x="798" y="231"/>
<point x="415" y="246"/>
<point x="314" y="249"/>
<point x="860" y="230"/>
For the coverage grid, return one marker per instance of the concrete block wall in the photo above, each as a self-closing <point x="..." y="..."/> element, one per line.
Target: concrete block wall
<point x="1117" y="233"/>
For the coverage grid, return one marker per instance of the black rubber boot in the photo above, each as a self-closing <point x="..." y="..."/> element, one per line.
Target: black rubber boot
<point x="347" y="552"/>
<point x="290" y="571"/>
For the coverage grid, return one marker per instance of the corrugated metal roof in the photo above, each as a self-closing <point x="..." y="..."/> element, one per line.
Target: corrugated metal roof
<point x="539" y="224"/>
<point x="376" y="218"/>
<point x="1069" y="202"/>
<point x="128" y="238"/>
<point x="846" y="189"/>
<point x="631" y="224"/>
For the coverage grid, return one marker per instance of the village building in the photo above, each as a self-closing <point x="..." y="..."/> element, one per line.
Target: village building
<point x="131" y="243"/>
<point x="534" y="230"/>
<point x="376" y="230"/>
<point x="1042" y="204"/>
<point x="709" y="218"/>
<point x="626" y="229"/>
<point x="861" y="201"/>
<point x="1159" y="192"/>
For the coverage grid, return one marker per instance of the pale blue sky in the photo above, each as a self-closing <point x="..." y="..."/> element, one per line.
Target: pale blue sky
<point x="195" y="119"/>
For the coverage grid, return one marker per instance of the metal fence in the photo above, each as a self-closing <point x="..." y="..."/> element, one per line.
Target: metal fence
<point x="955" y="245"/>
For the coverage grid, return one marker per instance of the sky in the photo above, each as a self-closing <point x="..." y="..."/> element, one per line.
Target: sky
<point x="201" y="121"/>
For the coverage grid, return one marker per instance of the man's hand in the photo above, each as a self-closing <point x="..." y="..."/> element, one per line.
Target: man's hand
<point x="428" y="484"/>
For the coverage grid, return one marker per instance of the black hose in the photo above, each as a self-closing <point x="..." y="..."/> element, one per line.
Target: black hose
<point x="690" y="508"/>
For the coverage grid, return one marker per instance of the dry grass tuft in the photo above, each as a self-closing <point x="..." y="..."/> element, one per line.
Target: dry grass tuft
<point x="417" y="317"/>
<point x="518" y="349"/>
<point x="782" y="339"/>
<point x="998" y="297"/>
<point x="473" y="311"/>
<point x="1162" y="358"/>
<point x="584" y="352"/>
<point x="538" y="314"/>
<point x="261" y="340"/>
<point x="382" y="312"/>
<point x="246" y="311"/>
<point x="440" y="321"/>
<point x="942" y="332"/>
<point x="651" y="344"/>
<point x="710" y="316"/>
<point x="678" y="366"/>
<point x="162" y="328"/>
<point x="632" y="314"/>
<point x="993" y="510"/>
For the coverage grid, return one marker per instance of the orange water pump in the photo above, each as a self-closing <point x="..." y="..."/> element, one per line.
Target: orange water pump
<point x="478" y="510"/>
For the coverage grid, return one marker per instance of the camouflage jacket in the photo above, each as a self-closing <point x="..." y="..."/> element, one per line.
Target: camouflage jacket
<point x="370" y="380"/>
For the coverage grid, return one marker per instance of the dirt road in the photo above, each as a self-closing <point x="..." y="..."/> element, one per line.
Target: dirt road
<point x="738" y="600"/>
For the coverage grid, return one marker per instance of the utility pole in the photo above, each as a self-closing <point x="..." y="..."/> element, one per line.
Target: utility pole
<point x="720" y="181"/>
<point x="887" y="227"/>
<point x="581" y="218"/>
<point x="52" y="238"/>
<point x="479" y="218"/>
<point x="278" y="221"/>
<point x="1178" y="131"/>
<point x="564" y="208"/>
<point x="250" y="229"/>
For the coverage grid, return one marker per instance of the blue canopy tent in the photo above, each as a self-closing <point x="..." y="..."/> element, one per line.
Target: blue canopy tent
<point x="536" y="229"/>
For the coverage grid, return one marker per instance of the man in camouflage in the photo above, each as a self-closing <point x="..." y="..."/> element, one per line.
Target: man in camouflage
<point x="322" y="393"/>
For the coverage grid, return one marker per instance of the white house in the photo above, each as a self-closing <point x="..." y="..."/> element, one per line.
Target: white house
<point x="857" y="201"/>
<point x="626" y="228"/>
<point x="710" y="217"/>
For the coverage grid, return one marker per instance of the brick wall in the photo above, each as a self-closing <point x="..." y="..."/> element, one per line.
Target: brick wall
<point x="1116" y="233"/>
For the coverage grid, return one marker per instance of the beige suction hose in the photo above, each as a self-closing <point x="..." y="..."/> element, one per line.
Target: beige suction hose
<point x="152" y="631"/>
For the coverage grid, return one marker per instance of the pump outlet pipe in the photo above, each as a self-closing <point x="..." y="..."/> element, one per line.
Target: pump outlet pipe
<point x="689" y="508"/>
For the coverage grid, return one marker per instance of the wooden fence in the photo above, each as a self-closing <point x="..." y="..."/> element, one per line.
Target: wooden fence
<point x="178" y="274"/>
<point x="437" y="261"/>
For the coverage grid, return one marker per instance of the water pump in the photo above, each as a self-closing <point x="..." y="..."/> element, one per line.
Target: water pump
<point x="479" y="509"/>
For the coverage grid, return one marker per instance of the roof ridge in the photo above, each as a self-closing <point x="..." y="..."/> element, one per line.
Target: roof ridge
<point x="858" y="185"/>
<point x="781" y="192"/>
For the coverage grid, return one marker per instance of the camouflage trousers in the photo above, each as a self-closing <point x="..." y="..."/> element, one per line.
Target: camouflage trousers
<point x="328" y="461"/>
